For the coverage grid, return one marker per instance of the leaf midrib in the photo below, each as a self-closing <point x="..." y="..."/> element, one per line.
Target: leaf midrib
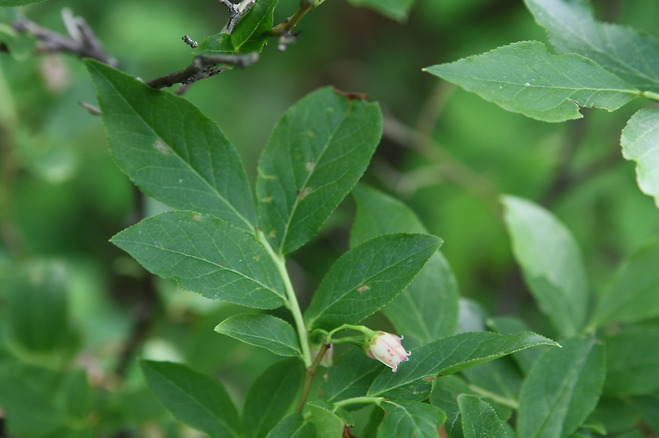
<point x="210" y="262"/>
<point x="192" y="169"/>
<point x="621" y="65"/>
<point x="310" y="174"/>
<point x="366" y="280"/>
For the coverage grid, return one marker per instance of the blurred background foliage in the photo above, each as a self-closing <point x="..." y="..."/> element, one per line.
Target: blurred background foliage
<point x="75" y="311"/>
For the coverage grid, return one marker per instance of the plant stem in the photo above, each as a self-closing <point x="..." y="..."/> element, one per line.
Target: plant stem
<point x="288" y="24"/>
<point x="650" y="95"/>
<point x="358" y="400"/>
<point x="291" y="299"/>
<point x="308" y="378"/>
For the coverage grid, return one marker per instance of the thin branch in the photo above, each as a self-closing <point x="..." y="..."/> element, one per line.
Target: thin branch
<point x="445" y="163"/>
<point x="81" y="39"/>
<point x="284" y="29"/>
<point x="202" y="67"/>
<point x="236" y="11"/>
<point x="190" y="42"/>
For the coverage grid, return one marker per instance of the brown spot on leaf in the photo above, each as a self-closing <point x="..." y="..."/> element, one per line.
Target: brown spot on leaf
<point x="310" y="133"/>
<point x="351" y="96"/>
<point x="256" y="258"/>
<point x="301" y="194"/>
<point x="268" y="199"/>
<point x="272" y="234"/>
<point x="195" y="217"/>
<point x="363" y="288"/>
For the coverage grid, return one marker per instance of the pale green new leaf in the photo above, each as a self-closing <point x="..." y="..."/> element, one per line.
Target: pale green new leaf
<point x="205" y="255"/>
<point x="640" y="143"/>
<point x="252" y="32"/>
<point x="196" y="399"/>
<point x="633" y="293"/>
<point x="396" y="9"/>
<point x="561" y="390"/>
<point x="265" y="331"/>
<point x="271" y="396"/>
<point x="428" y="308"/>
<point x="454" y="353"/>
<point x="316" y="154"/>
<point x="551" y="263"/>
<point x="479" y="419"/>
<point x="526" y="78"/>
<point x="408" y="418"/>
<point x="171" y="150"/>
<point x="368" y="277"/>
<point x="632" y="362"/>
<point x="628" y="53"/>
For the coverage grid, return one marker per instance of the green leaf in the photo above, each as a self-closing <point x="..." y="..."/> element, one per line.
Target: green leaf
<point x="252" y="32"/>
<point x="27" y="397"/>
<point x="315" y="155"/>
<point x="206" y="255"/>
<point x="479" y="419"/>
<point x="649" y="407"/>
<point x="8" y="3"/>
<point x="445" y="392"/>
<point x="640" y="143"/>
<point x="561" y="390"/>
<point x="526" y="78"/>
<point x="171" y="150"/>
<point x="78" y="398"/>
<point x="271" y="395"/>
<point x="194" y="398"/>
<point x="632" y="361"/>
<point x="455" y="353"/>
<point x="328" y="423"/>
<point x="622" y="50"/>
<point x="265" y="331"/>
<point x="551" y="263"/>
<point x="396" y="9"/>
<point x="37" y="317"/>
<point x="408" y="418"/>
<point x="293" y="426"/>
<point x="509" y="325"/>
<point x="633" y="293"/>
<point x="368" y="277"/>
<point x="350" y="376"/>
<point x="219" y="43"/>
<point x="428" y="308"/>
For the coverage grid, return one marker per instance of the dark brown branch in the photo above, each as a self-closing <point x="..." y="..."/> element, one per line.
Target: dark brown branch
<point x="202" y="67"/>
<point x="81" y="40"/>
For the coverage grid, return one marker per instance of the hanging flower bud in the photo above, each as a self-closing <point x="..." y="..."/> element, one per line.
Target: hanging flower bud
<point x="387" y="348"/>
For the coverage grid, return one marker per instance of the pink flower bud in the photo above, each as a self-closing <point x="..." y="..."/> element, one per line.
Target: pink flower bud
<point x="387" y="348"/>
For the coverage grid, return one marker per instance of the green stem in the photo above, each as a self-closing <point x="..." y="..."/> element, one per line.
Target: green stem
<point x="308" y="378"/>
<point x="650" y="95"/>
<point x="512" y="404"/>
<point x="288" y="24"/>
<point x="359" y="400"/>
<point x="291" y="299"/>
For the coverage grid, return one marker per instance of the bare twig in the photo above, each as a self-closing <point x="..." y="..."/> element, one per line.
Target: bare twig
<point x="236" y="11"/>
<point x="190" y="42"/>
<point x="81" y="39"/>
<point x="445" y="163"/>
<point x="202" y="67"/>
<point x="283" y="29"/>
